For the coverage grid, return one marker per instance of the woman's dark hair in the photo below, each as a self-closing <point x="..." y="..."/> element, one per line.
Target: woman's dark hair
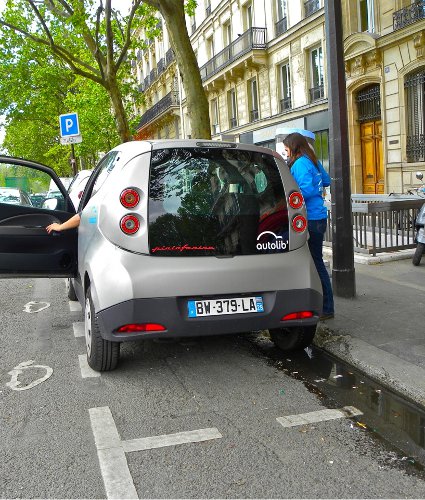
<point x="299" y="146"/>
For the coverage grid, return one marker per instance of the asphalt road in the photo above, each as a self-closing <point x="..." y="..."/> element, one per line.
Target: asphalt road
<point x="71" y="436"/>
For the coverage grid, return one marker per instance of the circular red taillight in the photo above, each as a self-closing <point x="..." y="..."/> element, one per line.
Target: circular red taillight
<point x="129" y="198"/>
<point x="296" y="200"/>
<point x="129" y="224"/>
<point x="299" y="223"/>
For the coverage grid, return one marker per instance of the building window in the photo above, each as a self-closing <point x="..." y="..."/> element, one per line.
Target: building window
<point x="247" y="16"/>
<point x="369" y="103"/>
<point x="310" y="7"/>
<point x="366" y="16"/>
<point x="282" y="21"/>
<point x="227" y="34"/>
<point x="253" y="100"/>
<point x="415" y="116"/>
<point x="215" y="117"/>
<point x="321" y="147"/>
<point x="285" y="88"/>
<point x="317" y="79"/>
<point x="232" y="108"/>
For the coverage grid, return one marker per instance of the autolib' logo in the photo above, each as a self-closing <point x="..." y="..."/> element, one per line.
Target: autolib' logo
<point x="278" y="244"/>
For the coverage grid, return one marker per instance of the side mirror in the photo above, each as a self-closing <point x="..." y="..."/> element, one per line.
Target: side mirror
<point x="50" y="204"/>
<point x="419" y="175"/>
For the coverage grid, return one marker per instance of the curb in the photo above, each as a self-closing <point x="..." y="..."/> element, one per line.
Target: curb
<point x="392" y="372"/>
<point x="377" y="259"/>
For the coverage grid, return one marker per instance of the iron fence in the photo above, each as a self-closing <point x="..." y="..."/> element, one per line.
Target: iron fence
<point x="281" y="26"/>
<point x="285" y="104"/>
<point x="166" y="103"/>
<point x="310" y="7"/>
<point x="317" y="93"/>
<point x="381" y="223"/>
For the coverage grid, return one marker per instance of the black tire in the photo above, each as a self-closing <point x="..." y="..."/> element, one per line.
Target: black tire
<point x="293" y="339"/>
<point x="102" y="355"/>
<point x="418" y="254"/>
<point x="71" y="291"/>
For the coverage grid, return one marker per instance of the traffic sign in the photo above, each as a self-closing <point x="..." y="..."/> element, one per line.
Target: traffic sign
<point x="69" y="125"/>
<point x="75" y="139"/>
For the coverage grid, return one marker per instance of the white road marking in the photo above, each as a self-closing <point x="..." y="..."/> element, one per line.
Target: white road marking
<point x="111" y="450"/>
<point x="78" y="329"/>
<point x="318" y="416"/>
<point x="35" y="307"/>
<point x="14" y="383"/>
<point x="74" y="306"/>
<point x="113" y="464"/>
<point x="86" y="371"/>
<point x="150" y="443"/>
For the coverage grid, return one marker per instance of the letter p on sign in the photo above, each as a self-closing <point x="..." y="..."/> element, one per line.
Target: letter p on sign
<point x="69" y="125"/>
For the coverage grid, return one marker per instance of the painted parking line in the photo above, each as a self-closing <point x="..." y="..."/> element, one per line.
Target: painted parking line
<point x="78" y="328"/>
<point x="86" y="371"/>
<point x="74" y="306"/>
<point x="164" y="440"/>
<point x="111" y="450"/>
<point x="318" y="416"/>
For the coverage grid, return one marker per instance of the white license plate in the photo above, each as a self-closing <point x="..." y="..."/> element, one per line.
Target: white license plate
<point x="218" y="307"/>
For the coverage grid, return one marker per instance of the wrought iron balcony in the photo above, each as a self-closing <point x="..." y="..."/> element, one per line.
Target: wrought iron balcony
<point x="169" y="57"/>
<point x="168" y="102"/>
<point x="193" y="28"/>
<point x="160" y="66"/>
<point x="141" y="87"/>
<point x="310" y="7"/>
<point x="208" y="10"/>
<point x="233" y="122"/>
<point x="285" y="104"/>
<point x="139" y="55"/>
<point x="253" y="115"/>
<point x="254" y="38"/>
<point x="147" y="81"/>
<point x="153" y="74"/>
<point x="317" y="93"/>
<point x="281" y="26"/>
<point x="409" y="15"/>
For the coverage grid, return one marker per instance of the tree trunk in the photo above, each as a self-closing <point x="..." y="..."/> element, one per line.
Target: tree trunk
<point x="196" y="99"/>
<point x="118" y="108"/>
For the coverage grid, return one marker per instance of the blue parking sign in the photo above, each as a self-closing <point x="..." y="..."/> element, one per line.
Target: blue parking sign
<point x="69" y="125"/>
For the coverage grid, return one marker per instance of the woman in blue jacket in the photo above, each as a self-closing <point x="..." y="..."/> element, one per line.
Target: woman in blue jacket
<point x="312" y="178"/>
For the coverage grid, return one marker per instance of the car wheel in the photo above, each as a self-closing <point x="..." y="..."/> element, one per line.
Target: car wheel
<point x="70" y="290"/>
<point x="102" y="355"/>
<point x="292" y="339"/>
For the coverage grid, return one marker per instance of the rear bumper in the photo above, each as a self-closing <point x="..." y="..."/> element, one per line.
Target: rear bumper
<point x="172" y="313"/>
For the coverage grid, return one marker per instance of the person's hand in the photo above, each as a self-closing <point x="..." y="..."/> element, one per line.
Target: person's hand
<point x="53" y="227"/>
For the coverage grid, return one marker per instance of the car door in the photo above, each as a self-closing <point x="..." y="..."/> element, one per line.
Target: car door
<point x="26" y="249"/>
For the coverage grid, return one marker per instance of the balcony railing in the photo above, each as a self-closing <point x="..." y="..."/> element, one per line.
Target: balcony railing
<point x="139" y="55"/>
<point x="193" y="28"/>
<point x="141" y="87"/>
<point x="281" y="26"/>
<point x="153" y="74"/>
<point x="253" y="115"/>
<point x="160" y="67"/>
<point x="310" y="7"/>
<point x="233" y="122"/>
<point x="169" y="57"/>
<point x="166" y="103"/>
<point x="147" y="81"/>
<point x="285" y="104"/>
<point x="409" y="15"/>
<point x="254" y="38"/>
<point x="208" y="10"/>
<point x="317" y="93"/>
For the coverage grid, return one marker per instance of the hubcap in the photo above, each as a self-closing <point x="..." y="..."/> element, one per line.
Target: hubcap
<point x="87" y="326"/>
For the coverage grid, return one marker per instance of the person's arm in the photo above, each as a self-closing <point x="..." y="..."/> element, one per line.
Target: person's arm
<point x="302" y="175"/>
<point x="69" y="224"/>
<point x="326" y="180"/>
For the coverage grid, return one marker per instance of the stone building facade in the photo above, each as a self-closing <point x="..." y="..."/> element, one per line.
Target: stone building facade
<point x="263" y="66"/>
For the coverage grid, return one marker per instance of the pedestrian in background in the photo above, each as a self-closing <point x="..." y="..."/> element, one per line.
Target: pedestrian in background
<point x="312" y="178"/>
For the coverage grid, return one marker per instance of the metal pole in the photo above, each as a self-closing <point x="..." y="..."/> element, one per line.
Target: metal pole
<point x="343" y="274"/>
<point x="73" y="160"/>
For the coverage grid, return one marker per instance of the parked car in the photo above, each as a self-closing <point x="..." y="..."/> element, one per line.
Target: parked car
<point x="180" y="238"/>
<point x="76" y="188"/>
<point x="14" y="196"/>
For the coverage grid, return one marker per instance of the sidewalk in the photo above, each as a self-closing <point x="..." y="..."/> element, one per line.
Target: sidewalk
<point x="382" y="330"/>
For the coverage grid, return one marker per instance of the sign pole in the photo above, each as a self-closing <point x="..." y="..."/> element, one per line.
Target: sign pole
<point x="73" y="160"/>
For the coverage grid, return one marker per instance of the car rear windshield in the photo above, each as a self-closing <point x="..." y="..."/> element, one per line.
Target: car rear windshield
<point x="214" y="201"/>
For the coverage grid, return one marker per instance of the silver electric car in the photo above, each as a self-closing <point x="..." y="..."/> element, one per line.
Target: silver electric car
<point x="177" y="238"/>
